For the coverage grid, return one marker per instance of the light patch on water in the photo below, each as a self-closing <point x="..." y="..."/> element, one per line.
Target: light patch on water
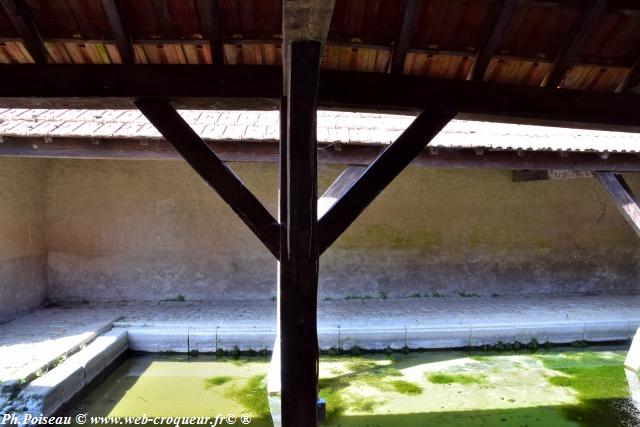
<point x="555" y="388"/>
<point x="506" y="382"/>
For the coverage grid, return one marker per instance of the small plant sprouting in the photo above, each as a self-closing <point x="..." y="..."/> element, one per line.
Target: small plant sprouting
<point x="178" y="298"/>
<point x="383" y="295"/>
<point x="437" y="295"/>
<point x="415" y="295"/>
<point x="495" y="295"/>
<point x="465" y="294"/>
<point x="327" y="299"/>
<point x="361" y="297"/>
<point x="274" y="298"/>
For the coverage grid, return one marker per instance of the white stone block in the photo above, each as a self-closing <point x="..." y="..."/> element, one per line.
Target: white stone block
<point x="491" y="335"/>
<point x="450" y="337"/>
<point x="606" y="331"/>
<point x="55" y="388"/>
<point x="159" y="340"/>
<point x="377" y="339"/>
<point x="249" y="339"/>
<point x="556" y="333"/>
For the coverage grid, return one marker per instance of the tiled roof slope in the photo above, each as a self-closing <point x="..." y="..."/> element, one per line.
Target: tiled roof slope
<point x="333" y="127"/>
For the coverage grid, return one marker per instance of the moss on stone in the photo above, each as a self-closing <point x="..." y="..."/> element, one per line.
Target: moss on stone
<point x="253" y="396"/>
<point x="464" y="379"/>
<point x="406" y="387"/>
<point x="216" y="381"/>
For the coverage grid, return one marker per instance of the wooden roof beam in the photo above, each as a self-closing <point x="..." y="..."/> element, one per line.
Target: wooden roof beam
<point x="208" y="14"/>
<point x="583" y="28"/>
<point x="405" y="32"/>
<point x="356" y="155"/>
<point x="303" y="20"/>
<point x="622" y="197"/>
<point x="260" y="87"/>
<point x="22" y="19"/>
<point x="504" y="12"/>
<point x="123" y="38"/>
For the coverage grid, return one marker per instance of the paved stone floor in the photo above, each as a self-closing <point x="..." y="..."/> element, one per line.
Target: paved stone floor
<point x="36" y="338"/>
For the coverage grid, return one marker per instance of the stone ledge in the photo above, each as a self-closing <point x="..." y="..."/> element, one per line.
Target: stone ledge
<point x="46" y="394"/>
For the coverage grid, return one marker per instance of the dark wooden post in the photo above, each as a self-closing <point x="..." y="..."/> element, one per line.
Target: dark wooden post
<point x="299" y="261"/>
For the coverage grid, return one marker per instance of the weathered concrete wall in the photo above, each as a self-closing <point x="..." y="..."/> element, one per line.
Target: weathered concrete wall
<point x="152" y="230"/>
<point x="23" y="242"/>
<point x="475" y="231"/>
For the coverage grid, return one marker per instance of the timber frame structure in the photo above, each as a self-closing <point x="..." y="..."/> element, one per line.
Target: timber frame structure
<point x="302" y="233"/>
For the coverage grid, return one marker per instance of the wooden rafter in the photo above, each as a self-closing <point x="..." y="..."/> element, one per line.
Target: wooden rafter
<point x="584" y="27"/>
<point x="622" y="196"/>
<point x="215" y="173"/>
<point x="630" y="78"/>
<point x="380" y="174"/>
<point x="504" y="11"/>
<point x="208" y="14"/>
<point x="113" y="10"/>
<point x="22" y="19"/>
<point x="403" y="38"/>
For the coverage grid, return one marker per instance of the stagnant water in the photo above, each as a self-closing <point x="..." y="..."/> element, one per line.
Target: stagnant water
<point x="550" y="388"/>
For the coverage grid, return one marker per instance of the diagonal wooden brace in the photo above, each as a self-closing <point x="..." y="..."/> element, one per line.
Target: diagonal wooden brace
<point x="380" y="174"/>
<point x="215" y="173"/>
<point x="622" y="196"/>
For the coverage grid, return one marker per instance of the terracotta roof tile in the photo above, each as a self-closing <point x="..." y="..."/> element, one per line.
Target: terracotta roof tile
<point x="332" y="127"/>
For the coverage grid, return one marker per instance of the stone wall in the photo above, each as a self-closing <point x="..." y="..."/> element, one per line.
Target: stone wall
<point x="23" y="244"/>
<point x="149" y="230"/>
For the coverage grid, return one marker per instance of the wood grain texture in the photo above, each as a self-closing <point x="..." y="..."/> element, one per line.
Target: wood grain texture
<point x="622" y="196"/>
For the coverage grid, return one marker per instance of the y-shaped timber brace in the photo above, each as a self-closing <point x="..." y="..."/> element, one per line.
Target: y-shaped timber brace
<point x="299" y="239"/>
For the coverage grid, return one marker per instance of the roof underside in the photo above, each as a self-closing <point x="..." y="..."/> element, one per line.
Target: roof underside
<point x="333" y="127"/>
<point x="447" y="37"/>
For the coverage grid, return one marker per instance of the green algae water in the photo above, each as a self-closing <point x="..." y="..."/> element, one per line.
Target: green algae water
<point x="550" y="388"/>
